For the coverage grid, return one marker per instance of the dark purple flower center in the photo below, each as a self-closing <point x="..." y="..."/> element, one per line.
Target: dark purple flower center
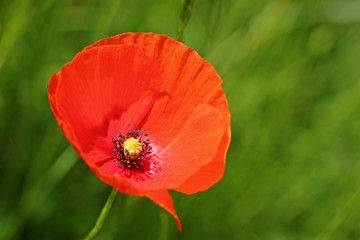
<point x="130" y="150"/>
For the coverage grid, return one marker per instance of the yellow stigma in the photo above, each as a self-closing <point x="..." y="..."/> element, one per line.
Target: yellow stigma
<point x="132" y="148"/>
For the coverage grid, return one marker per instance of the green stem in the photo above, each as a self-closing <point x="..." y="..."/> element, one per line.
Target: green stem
<point x="102" y="216"/>
<point x="164" y="226"/>
<point x="185" y="15"/>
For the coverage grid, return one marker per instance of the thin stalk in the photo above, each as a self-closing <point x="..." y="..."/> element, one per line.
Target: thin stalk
<point x="99" y="222"/>
<point x="185" y="15"/>
<point x="164" y="226"/>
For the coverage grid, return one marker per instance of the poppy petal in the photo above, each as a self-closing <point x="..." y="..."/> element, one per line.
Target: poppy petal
<point x="209" y="174"/>
<point x="190" y="81"/>
<point x="97" y="87"/>
<point x="164" y="199"/>
<point x="190" y="150"/>
<point x="186" y="73"/>
<point x="133" y="115"/>
<point x="160" y="197"/>
<point x="193" y="147"/>
<point x="52" y="90"/>
<point x="103" y="146"/>
<point x="151" y="82"/>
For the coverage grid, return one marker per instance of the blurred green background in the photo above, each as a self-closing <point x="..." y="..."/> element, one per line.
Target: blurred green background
<point x="291" y="73"/>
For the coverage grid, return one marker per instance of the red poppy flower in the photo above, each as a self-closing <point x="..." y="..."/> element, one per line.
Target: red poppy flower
<point x="146" y="113"/>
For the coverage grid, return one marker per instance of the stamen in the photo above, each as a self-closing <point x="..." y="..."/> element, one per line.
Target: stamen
<point x="131" y="149"/>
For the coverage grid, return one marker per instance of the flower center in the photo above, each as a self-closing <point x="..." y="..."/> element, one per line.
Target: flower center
<point x="131" y="149"/>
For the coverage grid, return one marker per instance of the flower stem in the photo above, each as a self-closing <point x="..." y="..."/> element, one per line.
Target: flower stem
<point x="164" y="226"/>
<point x="102" y="216"/>
<point x="185" y="15"/>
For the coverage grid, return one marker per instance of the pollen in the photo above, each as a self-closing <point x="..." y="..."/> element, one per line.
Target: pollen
<point x="132" y="148"/>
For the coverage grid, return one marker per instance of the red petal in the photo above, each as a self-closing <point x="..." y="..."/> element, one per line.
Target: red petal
<point x="113" y="82"/>
<point x="164" y="199"/>
<point x="189" y="82"/>
<point x="191" y="150"/>
<point x="103" y="146"/>
<point x="160" y="197"/>
<point x="193" y="147"/>
<point x="209" y="174"/>
<point x="97" y="87"/>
